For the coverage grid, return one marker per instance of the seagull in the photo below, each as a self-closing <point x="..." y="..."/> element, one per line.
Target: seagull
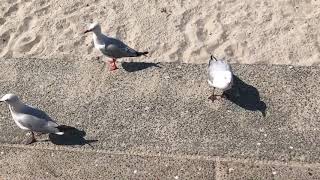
<point x="30" y="118"/>
<point x="111" y="47"/>
<point x="220" y="76"/>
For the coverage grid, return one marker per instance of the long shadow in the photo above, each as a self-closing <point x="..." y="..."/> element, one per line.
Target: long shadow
<point x="71" y="136"/>
<point x="138" y="66"/>
<point x="245" y="96"/>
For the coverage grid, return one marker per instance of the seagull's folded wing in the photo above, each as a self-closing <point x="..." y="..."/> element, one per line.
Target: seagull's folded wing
<point x="116" y="51"/>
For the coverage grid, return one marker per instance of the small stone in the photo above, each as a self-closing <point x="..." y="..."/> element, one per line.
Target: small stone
<point x="274" y="172"/>
<point x="231" y="169"/>
<point x="290" y="147"/>
<point x="258" y="144"/>
<point x="163" y="10"/>
<point x="147" y="108"/>
<point x="176" y="177"/>
<point x="1" y="152"/>
<point x="135" y="172"/>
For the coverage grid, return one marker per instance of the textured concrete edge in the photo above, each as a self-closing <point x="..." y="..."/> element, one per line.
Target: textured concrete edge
<point x="53" y="163"/>
<point x="173" y="156"/>
<point x="21" y="163"/>
<point x="67" y="59"/>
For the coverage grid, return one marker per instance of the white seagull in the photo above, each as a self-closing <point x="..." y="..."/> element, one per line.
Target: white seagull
<point x="111" y="47"/>
<point x="30" y="118"/>
<point x="220" y="76"/>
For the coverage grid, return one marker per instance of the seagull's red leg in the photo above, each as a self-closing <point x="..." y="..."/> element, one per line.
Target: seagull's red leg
<point x="213" y="96"/>
<point x="113" y="65"/>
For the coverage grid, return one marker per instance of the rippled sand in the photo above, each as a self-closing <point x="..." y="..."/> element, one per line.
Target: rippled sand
<point x="242" y="31"/>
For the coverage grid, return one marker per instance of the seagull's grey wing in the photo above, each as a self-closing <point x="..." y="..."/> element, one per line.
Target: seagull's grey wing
<point x="117" y="52"/>
<point x="31" y="122"/>
<point x="33" y="111"/>
<point x="37" y="120"/>
<point x="118" y="49"/>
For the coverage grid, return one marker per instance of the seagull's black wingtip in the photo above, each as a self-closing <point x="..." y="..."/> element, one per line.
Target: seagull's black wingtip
<point x="142" y="53"/>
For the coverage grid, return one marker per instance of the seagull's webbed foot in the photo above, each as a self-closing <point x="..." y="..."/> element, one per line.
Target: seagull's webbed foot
<point x="31" y="139"/>
<point x="214" y="97"/>
<point x="222" y="96"/>
<point x="113" y="65"/>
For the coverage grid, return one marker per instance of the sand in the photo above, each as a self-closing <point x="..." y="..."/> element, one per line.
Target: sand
<point x="242" y="31"/>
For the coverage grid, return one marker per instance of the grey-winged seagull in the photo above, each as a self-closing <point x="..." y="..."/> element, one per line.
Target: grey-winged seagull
<point x="220" y="76"/>
<point x="111" y="47"/>
<point x="30" y="118"/>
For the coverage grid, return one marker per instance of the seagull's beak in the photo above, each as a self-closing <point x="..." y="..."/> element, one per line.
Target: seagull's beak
<point x="86" y="31"/>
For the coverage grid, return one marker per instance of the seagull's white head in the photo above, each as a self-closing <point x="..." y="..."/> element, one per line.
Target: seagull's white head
<point x="10" y="99"/>
<point x="94" y="27"/>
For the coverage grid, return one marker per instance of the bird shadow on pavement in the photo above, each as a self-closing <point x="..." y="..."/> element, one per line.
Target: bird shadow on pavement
<point x="71" y="136"/>
<point x="245" y="96"/>
<point x="138" y="66"/>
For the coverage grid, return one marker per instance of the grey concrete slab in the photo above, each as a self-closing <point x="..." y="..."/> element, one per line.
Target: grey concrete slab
<point x="255" y="170"/>
<point x="142" y="108"/>
<point x="30" y="163"/>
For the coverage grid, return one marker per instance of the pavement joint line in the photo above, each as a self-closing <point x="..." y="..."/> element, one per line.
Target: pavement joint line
<point x="217" y="167"/>
<point x="216" y="159"/>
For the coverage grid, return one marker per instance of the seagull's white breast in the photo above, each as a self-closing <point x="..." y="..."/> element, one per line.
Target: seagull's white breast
<point x="221" y="79"/>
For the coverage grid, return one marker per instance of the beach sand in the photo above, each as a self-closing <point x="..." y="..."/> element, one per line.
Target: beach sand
<point x="241" y="31"/>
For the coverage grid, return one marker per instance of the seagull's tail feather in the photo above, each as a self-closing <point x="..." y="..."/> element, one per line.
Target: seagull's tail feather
<point x="59" y="133"/>
<point x="142" y="53"/>
<point x="63" y="128"/>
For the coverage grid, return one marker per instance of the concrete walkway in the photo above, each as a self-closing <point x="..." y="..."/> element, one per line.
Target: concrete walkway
<point x="154" y="121"/>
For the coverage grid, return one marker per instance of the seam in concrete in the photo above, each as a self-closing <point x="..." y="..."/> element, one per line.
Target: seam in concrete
<point x="217" y="169"/>
<point x="216" y="159"/>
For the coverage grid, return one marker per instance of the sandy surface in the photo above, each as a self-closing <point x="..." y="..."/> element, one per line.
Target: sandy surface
<point x="243" y="31"/>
